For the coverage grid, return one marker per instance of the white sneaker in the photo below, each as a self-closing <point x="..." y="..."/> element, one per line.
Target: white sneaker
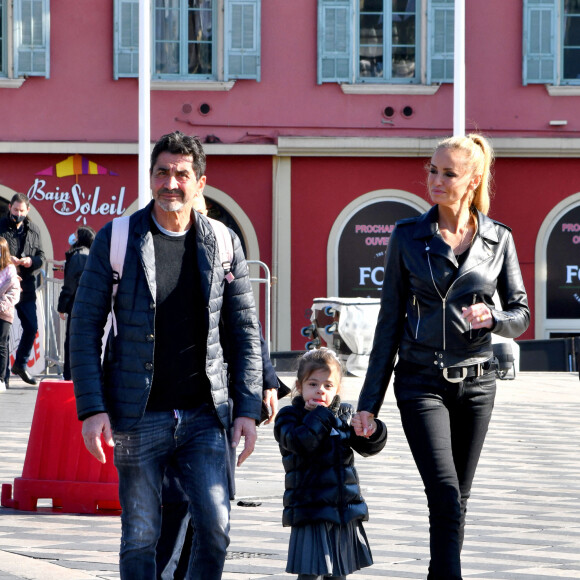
<point x="2" y="386"/>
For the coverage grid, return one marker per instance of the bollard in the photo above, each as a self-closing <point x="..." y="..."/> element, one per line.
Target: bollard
<point x="57" y="465"/>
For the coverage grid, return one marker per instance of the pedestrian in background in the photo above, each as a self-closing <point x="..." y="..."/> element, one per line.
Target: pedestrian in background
<point x="9" y="297"/>
<point x="323" y="502"/>
<point x="75" y="260"/>
<point x="26" y="252"/>
<point x="437" y="314"/>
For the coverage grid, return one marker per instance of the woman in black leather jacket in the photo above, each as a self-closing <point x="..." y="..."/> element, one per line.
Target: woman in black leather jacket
<point x="437" y="314"/>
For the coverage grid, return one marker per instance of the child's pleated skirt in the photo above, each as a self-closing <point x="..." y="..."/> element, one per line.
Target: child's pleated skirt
<point x="329" y="549"/>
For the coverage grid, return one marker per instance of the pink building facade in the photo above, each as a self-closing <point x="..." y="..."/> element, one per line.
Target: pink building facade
<point x="318" y="119"/>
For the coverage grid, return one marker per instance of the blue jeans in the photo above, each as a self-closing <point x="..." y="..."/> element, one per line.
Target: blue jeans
<point x="445" y="424"/>
<point x="194" y="444"/>
<point x="173" y="548"/>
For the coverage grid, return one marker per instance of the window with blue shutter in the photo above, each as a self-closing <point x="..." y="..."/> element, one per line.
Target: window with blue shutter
<point x="440" y="47"/>
<point x="570" y="42"/>
<point x="379" y="41"/>
<point x="242" y="39"/>
<point x="3" y="65"/>
<point x="335" y="29"/>
<point x="126" y="39"/>
<point x="185" y="36"/>
<point x="540" y="33"/>
<point x="32" y="38"/>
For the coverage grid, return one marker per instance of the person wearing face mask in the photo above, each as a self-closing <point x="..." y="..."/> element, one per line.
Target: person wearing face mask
<point x="23" y="239"/>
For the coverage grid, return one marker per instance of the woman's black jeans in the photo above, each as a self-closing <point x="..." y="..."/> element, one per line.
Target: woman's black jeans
<point x="445" y="424"/>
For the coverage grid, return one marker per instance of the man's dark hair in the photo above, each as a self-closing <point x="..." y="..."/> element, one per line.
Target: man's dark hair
<point x="178" y="143"/>
<point x="20" y="198"/>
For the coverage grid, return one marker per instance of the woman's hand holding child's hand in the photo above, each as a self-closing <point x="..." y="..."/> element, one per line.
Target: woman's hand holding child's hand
<point x="364" y="424"/>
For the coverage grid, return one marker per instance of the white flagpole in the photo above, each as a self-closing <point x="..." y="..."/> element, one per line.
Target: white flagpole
<point x="144" y="100"/>
<point x="459" y="70"/>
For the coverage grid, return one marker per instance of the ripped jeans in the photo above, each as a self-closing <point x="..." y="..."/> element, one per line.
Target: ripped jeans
<point x="194" y="443"/>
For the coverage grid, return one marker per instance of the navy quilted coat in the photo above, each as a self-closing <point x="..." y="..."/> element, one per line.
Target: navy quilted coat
<point x="317" y="453"/>
<point x="121" y="385"/>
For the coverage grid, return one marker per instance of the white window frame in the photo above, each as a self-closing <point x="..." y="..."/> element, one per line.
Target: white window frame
<point x="233" y="55"/>
<point x="338" y="49"/>
<point x="17" y="54"/>
<point x="543" y="49"/>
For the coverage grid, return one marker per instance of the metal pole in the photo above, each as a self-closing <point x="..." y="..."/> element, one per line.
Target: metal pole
<point x="459" y="70"/>
<point x="144" y="100"/>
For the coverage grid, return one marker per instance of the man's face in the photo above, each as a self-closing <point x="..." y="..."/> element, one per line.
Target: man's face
<point x="173" y="182"/>
<point x="18" y="210"/>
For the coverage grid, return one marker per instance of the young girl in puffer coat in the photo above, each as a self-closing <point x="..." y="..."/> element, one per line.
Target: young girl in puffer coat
<point x="9" y="296"/>
<point x="323" y="502"/>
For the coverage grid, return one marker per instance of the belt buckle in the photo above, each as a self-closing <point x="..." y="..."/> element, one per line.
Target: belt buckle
<point x="456" y="379"/>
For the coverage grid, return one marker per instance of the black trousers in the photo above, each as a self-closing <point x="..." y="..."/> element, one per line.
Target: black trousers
<point x="445" y="424"/>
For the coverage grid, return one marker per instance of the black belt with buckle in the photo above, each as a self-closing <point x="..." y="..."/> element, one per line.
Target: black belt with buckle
<point x="451" y="374"/>
<point x="458" y="374"/>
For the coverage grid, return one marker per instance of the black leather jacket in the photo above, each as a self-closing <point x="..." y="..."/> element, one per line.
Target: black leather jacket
<point x="423" y="294"/>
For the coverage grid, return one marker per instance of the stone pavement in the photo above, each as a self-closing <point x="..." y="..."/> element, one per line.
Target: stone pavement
<point x="523" y="518"/>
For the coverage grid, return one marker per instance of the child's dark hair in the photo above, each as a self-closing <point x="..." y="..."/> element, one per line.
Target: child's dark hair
<point x="313" y="360"/>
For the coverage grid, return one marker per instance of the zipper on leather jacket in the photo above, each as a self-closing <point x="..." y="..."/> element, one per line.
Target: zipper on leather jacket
<point x="444" y="298"/>
<point x="416" y="303"/>
<point x="471" y="329"/>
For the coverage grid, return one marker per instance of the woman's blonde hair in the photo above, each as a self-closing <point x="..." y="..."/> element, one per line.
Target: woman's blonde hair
<point x="479" y="158"/>
<point x="4" y="254"/>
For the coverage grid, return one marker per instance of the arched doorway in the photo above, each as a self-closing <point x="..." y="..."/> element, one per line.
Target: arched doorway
<point x="358" y="241"/>
<point x="558" y="272"/>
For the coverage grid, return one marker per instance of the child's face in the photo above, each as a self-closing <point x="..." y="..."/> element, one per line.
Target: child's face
<point x="320" y="387"/>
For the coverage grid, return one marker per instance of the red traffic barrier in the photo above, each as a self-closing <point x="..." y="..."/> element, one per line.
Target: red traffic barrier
<point x="57" y="465"/>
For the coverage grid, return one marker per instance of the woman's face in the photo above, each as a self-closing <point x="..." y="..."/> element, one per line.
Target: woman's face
<point x="450" y="181"/>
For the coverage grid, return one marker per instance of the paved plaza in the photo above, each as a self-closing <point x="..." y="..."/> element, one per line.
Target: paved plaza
<point x="523" y="518"/>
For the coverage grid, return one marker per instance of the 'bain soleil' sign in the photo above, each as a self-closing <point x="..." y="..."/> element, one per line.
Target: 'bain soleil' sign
<point x="74" y="201"/>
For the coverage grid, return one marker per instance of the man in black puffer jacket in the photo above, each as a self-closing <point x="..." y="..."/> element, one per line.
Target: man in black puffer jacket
<point x="23" y="239"/>
<point x="162" y="392"/>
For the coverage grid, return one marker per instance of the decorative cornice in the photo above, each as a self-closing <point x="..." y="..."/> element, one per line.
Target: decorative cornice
<point x="420" y="147"/>
<point x="522" y="147"/>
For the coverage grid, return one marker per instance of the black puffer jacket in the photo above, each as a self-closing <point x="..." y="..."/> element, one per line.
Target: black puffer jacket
<point x="317" y="453"/>
<point x="76" y="259"/>
<point x="32" y="249"/>
<point x="123" y="388"/>
<point x="424" y="292"/>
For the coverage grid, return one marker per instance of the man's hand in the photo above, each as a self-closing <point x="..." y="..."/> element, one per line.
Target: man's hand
<point x="26" y="262"/>
<point x="271" y="401"/>
<point x="62" y="315"/>
<point x="246" y="428"/>
<point x="93" y="428"/>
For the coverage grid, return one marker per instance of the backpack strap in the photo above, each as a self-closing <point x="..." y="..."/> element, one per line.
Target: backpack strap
<point x="119" y="238"/>
<point x="225" y="246"/>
